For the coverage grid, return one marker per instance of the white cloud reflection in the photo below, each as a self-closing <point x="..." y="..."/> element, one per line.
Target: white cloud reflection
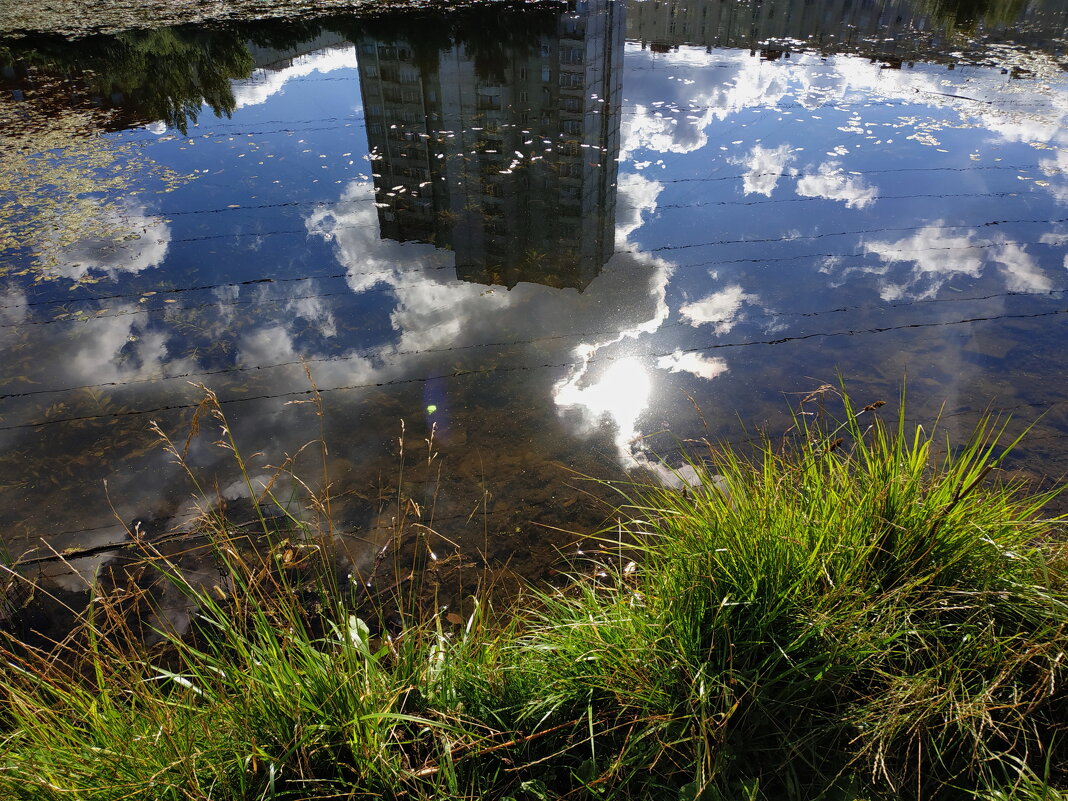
<point x="719" y="309"/>
<point x="833" y="183"/>
<point x="937" y="257"/>
<point x="650" y="129"/>
<point x="679" y="115"/>
<point x="121" y="347"/>
<point x="136" y="241"/>
<point x="1019" y="269"/>
<point x="764" y="167"/>
<point x="263" y="84"/>
<point x="707" y="367"/>
<point x="639" y="196"/>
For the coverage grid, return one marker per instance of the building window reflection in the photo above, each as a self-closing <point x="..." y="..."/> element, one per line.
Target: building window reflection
<point x="464" y="164"/>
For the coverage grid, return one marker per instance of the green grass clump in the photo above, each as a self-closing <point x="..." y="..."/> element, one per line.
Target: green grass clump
<point x="846" y="616"/>
<point x="844" y="607"/>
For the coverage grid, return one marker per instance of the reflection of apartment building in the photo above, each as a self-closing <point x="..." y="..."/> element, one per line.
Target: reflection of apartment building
<point x="832" y="26"/>
<point x="889" y="30"/>
<point x="504" y="154"/>
<point x="279" y="58"/>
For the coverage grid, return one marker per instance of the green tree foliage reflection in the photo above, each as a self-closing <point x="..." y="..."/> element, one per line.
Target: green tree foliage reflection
<point x="167" y="74"/>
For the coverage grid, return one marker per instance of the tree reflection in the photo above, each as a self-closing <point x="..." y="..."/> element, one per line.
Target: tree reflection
<point x="166" y="74"/>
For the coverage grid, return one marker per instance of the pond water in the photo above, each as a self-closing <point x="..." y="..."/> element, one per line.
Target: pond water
<point x="555" y="239"/>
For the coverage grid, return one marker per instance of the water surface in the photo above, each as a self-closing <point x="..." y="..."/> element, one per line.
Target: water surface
<point x="554" y="241"/>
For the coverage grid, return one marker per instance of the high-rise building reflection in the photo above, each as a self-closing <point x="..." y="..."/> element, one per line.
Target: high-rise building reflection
<point x="893" y="31"/>
<point x="504" y="152"/>
<point x="663" y="24"/>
